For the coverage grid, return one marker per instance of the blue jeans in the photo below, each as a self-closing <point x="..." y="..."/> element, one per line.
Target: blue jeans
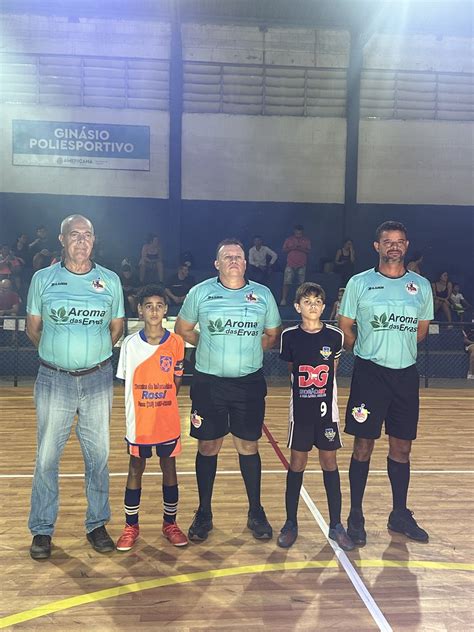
<point x="58" y="398"/>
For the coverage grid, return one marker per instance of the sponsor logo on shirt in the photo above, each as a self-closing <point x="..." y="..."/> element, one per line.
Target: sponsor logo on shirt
<point x="98" y="284"/>
<point x="212" y="297"/>
<point x="394" y="322"/>
<point x="315" y="375"/>
<point x="166" y="362"/>
<point x="77" y="316"/>
<point x="326" y="352"/>
<point x="360" y="413"/>
<point x="411" y="288"/>
<point x="58" y="283"/>
<point x="251" y="297"/>
<point x="376" y="287"/>
<point x="219" y="327"/>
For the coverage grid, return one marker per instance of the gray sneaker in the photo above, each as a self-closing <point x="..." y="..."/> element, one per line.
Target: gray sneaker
<point x="40" y="548"/>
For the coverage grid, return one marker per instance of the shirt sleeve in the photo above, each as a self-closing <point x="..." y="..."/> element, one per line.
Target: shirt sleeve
<point x="33" y="302"/>
<point x="285" y="347"/>
<point x="190" y="308"/>
<point x="118" y="310"/>
<point x="427" y="307"/>
<point x="349" y="301"/>
<point x="122" y="361"/>
<point x="272" y="254"/>
<point x="340" y="345"/>
<point x="272" y="317"/>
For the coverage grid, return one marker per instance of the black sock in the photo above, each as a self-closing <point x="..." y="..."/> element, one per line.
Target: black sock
<point x="251" y="469"/>
<point x="170" y="503"/>
<point x="132" y="505"/>
<point x="358" y="473"/>
<point x="332" y="484"/>
<point x="206" y="468"/>
<point x="399" y="475"/>
<point x="294" y="480"/>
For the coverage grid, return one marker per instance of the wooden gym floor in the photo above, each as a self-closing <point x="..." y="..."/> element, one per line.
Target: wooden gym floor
<point x="231" y="581"/>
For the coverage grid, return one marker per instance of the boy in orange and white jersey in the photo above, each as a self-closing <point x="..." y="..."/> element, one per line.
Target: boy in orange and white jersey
<point x="151" y="363"/>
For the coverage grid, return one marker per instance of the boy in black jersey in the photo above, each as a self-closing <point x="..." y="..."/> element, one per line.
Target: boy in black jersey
<point x="312" y="349"/>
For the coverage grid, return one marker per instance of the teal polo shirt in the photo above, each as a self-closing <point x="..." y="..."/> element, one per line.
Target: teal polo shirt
<point x="76" y="310"/>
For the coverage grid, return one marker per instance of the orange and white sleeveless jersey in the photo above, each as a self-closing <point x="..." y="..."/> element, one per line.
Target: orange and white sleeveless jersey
<point x="151" y="406"/>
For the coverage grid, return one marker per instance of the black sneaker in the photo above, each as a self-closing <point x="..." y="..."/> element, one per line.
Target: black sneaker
<point x="288" y="535"/>
<point x="258" y="524"/>
<point x="202" y="524"/>
<point x="355" y="527"/>
<point x="101" y="540"/>
<point x="402" y="521"/>
<point x="40" y="548"/>
<point x="339" y="535"/>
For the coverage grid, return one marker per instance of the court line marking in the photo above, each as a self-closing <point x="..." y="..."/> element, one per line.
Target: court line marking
<point x="269" y="396"/>
<point x="235" y="472"/>
<point x="355" y="579"/>
<point x="117" y="591"/>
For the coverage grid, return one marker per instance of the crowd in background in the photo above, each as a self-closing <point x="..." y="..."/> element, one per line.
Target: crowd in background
<point x="281" y="268"/>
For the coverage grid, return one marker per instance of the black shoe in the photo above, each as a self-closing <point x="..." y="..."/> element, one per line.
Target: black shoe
<point x="355" y="527"/>
<point x="258" y="524"/>
<point x="402" y="521"/>
<point x="339" y="535"/>
<point x="40" y="548"/>
<point x="101" y="540"/>
<point x="288" y="535"/>
<point x="202" y="524"/>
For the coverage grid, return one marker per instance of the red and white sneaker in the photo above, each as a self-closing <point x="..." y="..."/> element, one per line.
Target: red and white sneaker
<point x="173" y="533"/>
<point x="128" y="538"/>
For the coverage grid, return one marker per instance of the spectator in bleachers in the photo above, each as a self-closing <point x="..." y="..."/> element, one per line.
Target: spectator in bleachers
<point x="442" y="290"/>
<point x="297" y="247"/>
<point x="41" y="249"/>
<point x="130" y="287"/>
<point x="415" y="263"/>
<point x="151" y="261"/>
<point x="468" y="336"/>
<point x="344" y="261"/>
<point x="178" y="285"/>
<point x="458" y="303"/>
<point x="9" y="300"/>
<point x="10" y="266"/>
<point x="20" y="248"/>
<point x="261" y="260"/>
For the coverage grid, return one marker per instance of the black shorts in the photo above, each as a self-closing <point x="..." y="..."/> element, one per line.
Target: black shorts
<point x="381" y="394"/>
<point x="324" y="434"/>
<point x="220" y="405"/>
<point x="168" y="449"/>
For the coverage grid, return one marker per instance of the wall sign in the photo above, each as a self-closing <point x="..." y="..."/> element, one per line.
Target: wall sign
<point x="81" y="145"/>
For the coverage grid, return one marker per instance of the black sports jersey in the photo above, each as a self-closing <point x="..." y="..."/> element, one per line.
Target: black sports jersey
<point x="314" y="391"/>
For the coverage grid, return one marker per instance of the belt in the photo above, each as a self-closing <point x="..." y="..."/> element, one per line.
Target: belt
<point x="75" y="373"/>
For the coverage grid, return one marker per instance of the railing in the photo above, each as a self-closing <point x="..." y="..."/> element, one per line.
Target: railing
<point x="442" y="360"/>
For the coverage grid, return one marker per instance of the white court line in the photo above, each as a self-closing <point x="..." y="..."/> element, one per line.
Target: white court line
<point x="364" y="594"/>
<point x="234" y="472"/>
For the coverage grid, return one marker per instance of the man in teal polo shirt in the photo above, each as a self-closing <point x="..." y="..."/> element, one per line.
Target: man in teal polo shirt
<point x="392" y="307"/>
<point x="74" y="316"/>
<point x="238" y="320"/>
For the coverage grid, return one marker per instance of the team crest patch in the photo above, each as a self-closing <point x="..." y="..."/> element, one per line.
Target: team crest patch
<point x="196" y="419"/>
<point x="360" y="413"/>
<point x="326" y="352"/>
<point x="330" y="434"/>
<point x="411" y="288"/>
<point x="251" y="297"/>
<point x="98" y="284"/>
<point x="166" y="363"/>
